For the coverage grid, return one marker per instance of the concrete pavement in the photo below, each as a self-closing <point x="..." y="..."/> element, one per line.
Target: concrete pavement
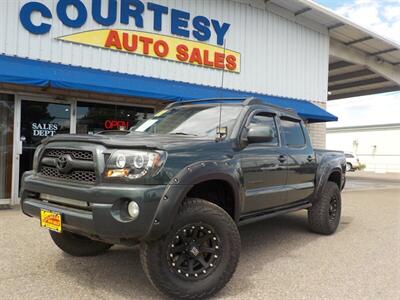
<point x="280" y="259"/>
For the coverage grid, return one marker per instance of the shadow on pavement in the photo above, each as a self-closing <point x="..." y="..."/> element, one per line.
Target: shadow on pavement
<point x="119" y="272"/>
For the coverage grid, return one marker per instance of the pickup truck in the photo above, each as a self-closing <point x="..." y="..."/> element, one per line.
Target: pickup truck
<point x="180" y="184"/>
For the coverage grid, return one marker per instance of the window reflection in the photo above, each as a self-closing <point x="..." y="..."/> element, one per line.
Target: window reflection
<point x="95" y="117"/>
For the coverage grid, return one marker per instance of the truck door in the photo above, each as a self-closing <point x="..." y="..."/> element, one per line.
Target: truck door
<point x="264" y="167"/>
<point x="301" y="163"/>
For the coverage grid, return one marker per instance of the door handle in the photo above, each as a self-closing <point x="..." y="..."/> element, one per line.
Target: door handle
<point x="310" y="158"/>
<point x="282" y="158"/>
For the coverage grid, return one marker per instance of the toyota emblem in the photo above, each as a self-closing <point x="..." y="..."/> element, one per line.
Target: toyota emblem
<point x="62" y="162"/>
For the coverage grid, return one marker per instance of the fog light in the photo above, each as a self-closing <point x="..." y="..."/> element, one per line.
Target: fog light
<point x="133" y="209"/>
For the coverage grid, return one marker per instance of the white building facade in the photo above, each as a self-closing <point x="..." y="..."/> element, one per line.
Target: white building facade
<point x="377" y="146"/>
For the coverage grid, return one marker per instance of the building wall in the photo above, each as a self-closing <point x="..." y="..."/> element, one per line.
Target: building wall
<point x="377" y="148"/>
<point x="317" y="131"/>
<point x="279" y="56"/>
<point x="318" y="135"/>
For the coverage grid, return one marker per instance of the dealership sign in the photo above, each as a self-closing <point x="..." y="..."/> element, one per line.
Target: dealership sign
<point x="188" y="41"/>
<point x="44" y="129"/>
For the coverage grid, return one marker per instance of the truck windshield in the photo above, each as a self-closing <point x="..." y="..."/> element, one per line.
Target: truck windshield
<point x="199" y="120"/>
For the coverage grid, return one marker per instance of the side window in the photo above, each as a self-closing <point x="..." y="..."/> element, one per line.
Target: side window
<point x="293" y="132"/>
<point x="264" y="119"/>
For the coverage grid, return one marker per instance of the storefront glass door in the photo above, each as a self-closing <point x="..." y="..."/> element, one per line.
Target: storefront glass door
<point x="38" y="121"/>
<point x="6" y="146"/>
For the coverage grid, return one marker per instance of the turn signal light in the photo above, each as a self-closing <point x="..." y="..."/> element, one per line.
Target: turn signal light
<point x="118" y="173"/>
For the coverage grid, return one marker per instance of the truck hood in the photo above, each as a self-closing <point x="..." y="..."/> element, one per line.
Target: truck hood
<point x="134" y="140"/>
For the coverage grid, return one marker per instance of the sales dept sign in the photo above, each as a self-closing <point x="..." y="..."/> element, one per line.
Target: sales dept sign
<point x="188" y="41"/>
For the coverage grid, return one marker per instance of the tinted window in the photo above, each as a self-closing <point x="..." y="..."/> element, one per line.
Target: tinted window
<point x="293" y="132"/>
<point x="266" y="120"/>
<point x="349" y="155"/>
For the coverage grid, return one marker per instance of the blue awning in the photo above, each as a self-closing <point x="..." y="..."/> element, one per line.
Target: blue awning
<point x="44" y="74"/>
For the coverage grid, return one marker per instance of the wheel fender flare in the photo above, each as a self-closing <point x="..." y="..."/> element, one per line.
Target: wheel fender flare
<point x="183" y="182"/>
<point x="323" y="178"/>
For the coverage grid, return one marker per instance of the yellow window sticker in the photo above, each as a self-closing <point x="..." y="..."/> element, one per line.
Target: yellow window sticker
<point x="160" y="113"/>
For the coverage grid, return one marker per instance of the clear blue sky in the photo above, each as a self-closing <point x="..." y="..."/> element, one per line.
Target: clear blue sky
<point x="333" y="4"/>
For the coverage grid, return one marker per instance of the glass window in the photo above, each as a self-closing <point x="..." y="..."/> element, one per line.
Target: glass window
<point x="196" y="120"/>
<point x="95" y="117"/>
<point x="6" y="144"/>
<point x="42" y="119"/>
<point x="349" y="155"/>
<point x="266" y="120"/>
<point x="293" y="132"/>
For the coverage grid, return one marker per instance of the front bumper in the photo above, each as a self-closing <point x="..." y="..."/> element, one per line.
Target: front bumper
<point x="103" y="218"/>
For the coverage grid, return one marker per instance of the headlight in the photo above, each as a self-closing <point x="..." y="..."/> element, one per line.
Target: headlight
<point x="134" y="164"/>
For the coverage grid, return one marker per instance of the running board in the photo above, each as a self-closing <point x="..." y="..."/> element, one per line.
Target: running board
<point x="270" y="213"/>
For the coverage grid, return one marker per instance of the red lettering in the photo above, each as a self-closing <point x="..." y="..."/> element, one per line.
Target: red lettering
<point x="130" y="43"/>
<point x="114" y="124"/>
<point x="146" y="44"/>
<point x="231" y="62"/>
<point x="182" y="54"/>
<point x="113" y="40"/>
<point x="161" y="48"/>
<point x="107" y="124"/>
<point x="219" y="60"/>
<point x="207" y="61"/>
<point x="196" y="56"/>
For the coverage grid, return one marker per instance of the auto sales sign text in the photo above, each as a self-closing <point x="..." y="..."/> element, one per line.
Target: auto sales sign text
<point x="187" y="41"/>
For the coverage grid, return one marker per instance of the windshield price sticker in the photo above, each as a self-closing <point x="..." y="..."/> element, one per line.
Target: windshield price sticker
<point x="160" y="113"/>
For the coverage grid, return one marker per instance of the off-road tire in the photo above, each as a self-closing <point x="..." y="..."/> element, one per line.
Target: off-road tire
<point x="324" y="215"/>
<point x="156" y="264"/>
<point x="77" y="245"/>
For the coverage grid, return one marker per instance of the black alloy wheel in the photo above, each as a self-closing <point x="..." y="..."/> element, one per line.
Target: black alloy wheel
<point x="194" y="251"/>
<point x="333" y="208"/>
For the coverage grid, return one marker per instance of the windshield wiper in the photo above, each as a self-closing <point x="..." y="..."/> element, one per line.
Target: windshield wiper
<point x="183" y="133"/>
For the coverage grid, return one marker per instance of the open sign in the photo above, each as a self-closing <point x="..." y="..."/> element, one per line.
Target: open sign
<point x="115" y="124"/>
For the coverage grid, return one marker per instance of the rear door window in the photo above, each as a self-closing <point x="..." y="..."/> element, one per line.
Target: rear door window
<point x="293" y="133"/>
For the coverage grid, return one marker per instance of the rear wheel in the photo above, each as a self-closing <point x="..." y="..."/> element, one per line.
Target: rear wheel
<point x="77" y="245"/>
<point x="324" y="215"/>
<point x="349" y="167"/>
<point x="199" y="255"/>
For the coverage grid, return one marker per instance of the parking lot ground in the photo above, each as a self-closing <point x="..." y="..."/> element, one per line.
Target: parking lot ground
<point x="361" y="180"/>
<point x="280" y="259"/>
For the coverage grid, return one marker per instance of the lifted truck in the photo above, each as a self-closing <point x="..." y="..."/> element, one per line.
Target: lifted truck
<point x="180" y="184"/>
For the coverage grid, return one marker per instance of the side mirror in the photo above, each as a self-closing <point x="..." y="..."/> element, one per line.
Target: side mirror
<point x="260" y="134"/>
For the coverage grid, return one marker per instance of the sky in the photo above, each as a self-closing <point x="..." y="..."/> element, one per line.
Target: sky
<point x="383" y="17"/>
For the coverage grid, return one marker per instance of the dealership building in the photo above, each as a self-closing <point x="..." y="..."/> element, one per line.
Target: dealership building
<point x="83" y="66"/>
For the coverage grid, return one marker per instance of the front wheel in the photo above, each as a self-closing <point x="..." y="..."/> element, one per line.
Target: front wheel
<point x="199" y="255"/>
<point x="77" y="245"/>
<point x="349" y="167"/>
<point x="324" y="215"/>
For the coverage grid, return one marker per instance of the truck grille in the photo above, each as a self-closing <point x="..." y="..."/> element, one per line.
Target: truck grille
<point x="75" y="154"/>
<point x="80" y="176"/>
<point x="69" y="165"/>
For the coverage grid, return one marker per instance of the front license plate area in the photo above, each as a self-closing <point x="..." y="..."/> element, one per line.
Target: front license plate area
<point x="51" y="220"/>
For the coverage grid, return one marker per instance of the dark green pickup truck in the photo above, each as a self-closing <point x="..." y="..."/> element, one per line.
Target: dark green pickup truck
<point x="180" y="184"/>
